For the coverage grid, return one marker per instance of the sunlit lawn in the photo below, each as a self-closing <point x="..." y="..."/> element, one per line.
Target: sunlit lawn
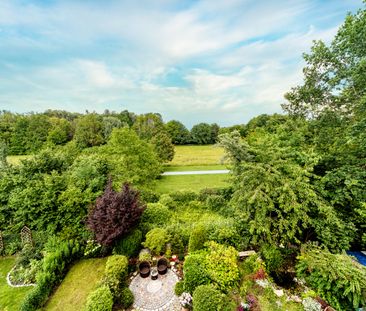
<point x="82" y="278"/>
<point x="190" y="182"/>
<point x="10" y="297"/>
<point x="197" y="155"/>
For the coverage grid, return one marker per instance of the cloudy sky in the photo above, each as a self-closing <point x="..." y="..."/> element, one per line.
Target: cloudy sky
<point x="213" y="61"/>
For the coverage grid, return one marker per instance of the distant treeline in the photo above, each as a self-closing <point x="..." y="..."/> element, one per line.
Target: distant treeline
<point x="28" y="133"/>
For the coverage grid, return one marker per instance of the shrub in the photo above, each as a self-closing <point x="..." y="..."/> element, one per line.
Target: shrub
<point x="224" y="232"/>
<point x="54" y="268"/>
<point x="272" y="257"/>
<point x="336" y="277"/>
<point x="183" y="196"/>
<point x="129" y="245"/>
<point x="179" y="288"/>
<point x="215" y="202"/>
<point x="116" y="271"/>
<point x="195" y="272"/>
<point x="156" y="240"/>
<point x="221" y="265"/>
<point x="127" y="297"/>
<point x="100" y="300"/>
<point x="145" y="255"/>
<point x="155" y="215"/>
<point x="207" y="298"/>
<point x="197" y="238"/>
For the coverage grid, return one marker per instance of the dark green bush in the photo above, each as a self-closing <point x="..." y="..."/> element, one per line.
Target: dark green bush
<point x="116" y="271"/>
<point x="335" y="277"/>
<point x="148" y="196"/>
<point x="273" y="257"/>
<point x="126" y="297"/>
<point x="207" y="298"/>
<point x="179" y="288"/>
<point x="100" y="300"/>
<point x="197" y="238"/>
<point x="224" y="232"/>
<point x="195" y="272"/>
<point x="129" y="245"/>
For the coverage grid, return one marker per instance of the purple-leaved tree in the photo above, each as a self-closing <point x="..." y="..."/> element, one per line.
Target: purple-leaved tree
<point x="115" y="213"/>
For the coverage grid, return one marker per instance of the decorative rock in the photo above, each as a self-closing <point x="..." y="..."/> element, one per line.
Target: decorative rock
<point x="278" y="292"/>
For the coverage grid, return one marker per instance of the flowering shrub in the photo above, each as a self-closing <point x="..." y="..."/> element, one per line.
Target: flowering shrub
<point x="186" y="300"/>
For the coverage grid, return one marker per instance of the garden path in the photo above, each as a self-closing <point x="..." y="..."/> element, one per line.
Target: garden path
<point x="155" y="295"/>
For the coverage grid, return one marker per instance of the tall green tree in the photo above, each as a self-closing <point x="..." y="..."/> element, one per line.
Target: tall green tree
<point x="178" y="133"/>
<point x="89" y="131"/>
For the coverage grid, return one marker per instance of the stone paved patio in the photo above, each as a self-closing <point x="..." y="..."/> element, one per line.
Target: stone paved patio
<point x="155" y="295"/>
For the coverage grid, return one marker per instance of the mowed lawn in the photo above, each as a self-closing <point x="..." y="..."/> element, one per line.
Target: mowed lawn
<point x="194" y="183"/>
<point x="197" y="155"/>
<point x="82" y="278"/>
<point x="10" y="298"/>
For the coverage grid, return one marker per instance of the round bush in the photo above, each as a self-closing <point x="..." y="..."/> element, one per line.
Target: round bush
<point x="179" y="288"/>
<point x="127" y="297"/>
<point x="129" y="245"/>
<point x="100" y="300"/>
<point x="195" y="272"/>
<point x="156" y="240"/>
<point x="207" y="298"/>
<point x="156" y="215"/>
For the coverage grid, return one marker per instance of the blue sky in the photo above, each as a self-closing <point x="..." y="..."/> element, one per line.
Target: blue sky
<point x="196" y="61"/>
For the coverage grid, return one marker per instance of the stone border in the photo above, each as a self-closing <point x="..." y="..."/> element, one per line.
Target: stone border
<point x="13" y="285"/>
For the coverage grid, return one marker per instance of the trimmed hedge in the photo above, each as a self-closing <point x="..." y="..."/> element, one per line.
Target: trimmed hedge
<point x="127" y="297"/>
<point x="207" y="298"/>
<point x="100" y="300"/>
<point x="195" y="272"/>
<point x="116" y="272"/>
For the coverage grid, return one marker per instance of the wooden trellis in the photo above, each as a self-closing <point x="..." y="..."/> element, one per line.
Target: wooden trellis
<point x="26" y="236"/>
<point x="1" y="243"/>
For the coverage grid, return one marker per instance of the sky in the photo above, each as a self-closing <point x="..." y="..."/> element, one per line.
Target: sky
<point x="195" y="61"/>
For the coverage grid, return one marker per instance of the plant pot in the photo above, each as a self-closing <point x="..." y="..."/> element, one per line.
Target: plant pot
<point x="162" y="266"/>
<point x="144" y="268"/>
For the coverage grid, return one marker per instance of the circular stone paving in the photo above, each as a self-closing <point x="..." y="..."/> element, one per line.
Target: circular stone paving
<point x="157" y="295"/>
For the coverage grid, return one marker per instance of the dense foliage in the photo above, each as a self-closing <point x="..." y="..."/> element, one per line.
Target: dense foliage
<point x="115" y="214"/>
<point x="100" y="299"/>
<point x="207" y="298"/>
<point x="336" y="277"/>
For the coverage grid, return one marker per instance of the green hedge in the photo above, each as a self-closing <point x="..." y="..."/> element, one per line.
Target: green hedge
<point x="116" y="272"/>
<point x="129" y="245"/>
<point x="207" y="298"/>
<point x="55" y="266"/>
<point x="100" y="300"/>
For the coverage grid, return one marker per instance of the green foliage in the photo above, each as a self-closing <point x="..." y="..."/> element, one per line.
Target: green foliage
<point x="179" y="288"/>
<point x="177" y="132"/>
<point x="126" y="298"/>
<point x="207" y="298"/>
<point x="155" y="215"/>
<point x="336" y="277"/>
<point x="129" y="245"/>
<point x="89" y="131"/>
<point x="197" y="238"/>
<point x="132" y="159"/>
<point x="195" y="272"/>
<point x="100" y="299"/>
<point x="116" y="271"/>
<point x="163" y="147"/>
<point x="156" y="240"/>
<point x="204" y="134"/>
<point x="55" y="265"/>
<point x="221" y="265"/>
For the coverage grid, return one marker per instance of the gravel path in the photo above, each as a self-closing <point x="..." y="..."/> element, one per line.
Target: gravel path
<point x="196" y="172"/>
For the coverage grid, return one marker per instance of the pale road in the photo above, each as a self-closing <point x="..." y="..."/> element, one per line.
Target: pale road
<point x="196" y="172"/>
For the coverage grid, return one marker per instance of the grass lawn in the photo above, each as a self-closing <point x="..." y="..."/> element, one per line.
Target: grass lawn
<point x="195" y="183"/>
<point x="197" y="155"/>
<point x="178" y="168"/>
<point x="15" y="160"/>
<point x="10" y="297"/>
<point x="82" y="278"/>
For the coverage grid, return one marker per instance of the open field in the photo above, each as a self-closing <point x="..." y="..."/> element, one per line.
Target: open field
<point x="197" y="155"/>
<point x="10" y="298"/>
<point x="190" y="182"/>
<point x="15" y="160"/>
<point x="79" y="282"/>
